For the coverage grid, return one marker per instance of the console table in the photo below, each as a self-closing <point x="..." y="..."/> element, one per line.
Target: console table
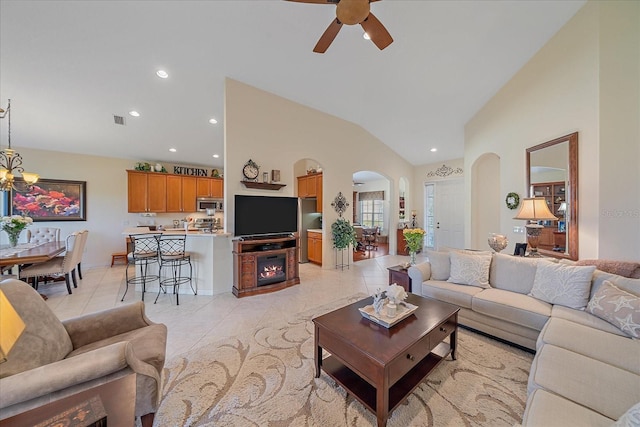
<point x="265" y="265"/>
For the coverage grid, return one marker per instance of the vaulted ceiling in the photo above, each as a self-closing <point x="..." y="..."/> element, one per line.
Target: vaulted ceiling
<point x="70" y="66"/>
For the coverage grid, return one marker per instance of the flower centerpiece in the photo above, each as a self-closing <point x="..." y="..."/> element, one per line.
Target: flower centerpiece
<point x="414" y="238"/>
<point x="13" y="226"/>
<point x="395" y="294"/>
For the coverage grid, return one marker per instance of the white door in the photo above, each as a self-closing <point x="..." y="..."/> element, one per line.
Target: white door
<point x="448" y="208"/>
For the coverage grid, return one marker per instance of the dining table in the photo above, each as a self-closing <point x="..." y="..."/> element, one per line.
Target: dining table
<point x="30" y="253"/>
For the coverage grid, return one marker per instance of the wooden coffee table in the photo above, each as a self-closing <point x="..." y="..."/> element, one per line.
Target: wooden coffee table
<point x="378" y="366"/>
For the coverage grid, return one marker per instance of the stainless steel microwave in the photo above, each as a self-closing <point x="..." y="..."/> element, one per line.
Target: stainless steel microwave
<point x="204" y="203"/>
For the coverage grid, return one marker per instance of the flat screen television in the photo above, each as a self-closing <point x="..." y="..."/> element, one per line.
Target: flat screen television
<point x="263" y="216"/>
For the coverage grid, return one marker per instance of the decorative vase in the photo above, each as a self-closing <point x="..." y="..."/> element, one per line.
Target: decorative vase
<point x="412" y="254"/>
<point x="391" y="309"/>
<point x="497" y="242"/>
<point x="13" y="239"/>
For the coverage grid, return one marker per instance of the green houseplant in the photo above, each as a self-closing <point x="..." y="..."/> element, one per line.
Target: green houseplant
<point x="343" y="234"/>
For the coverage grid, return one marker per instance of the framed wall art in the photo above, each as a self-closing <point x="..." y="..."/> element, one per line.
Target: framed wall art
<point x="52" y="200"/>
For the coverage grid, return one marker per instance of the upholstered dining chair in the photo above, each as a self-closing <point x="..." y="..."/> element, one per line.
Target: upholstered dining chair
<point x="83" y="235"/>
<point x="43" y="235"/>
<point x="58" y="266"/>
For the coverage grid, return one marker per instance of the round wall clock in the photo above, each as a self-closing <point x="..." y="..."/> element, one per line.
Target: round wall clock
<point x="251" y="170"/>
<point x="512" y="200"/>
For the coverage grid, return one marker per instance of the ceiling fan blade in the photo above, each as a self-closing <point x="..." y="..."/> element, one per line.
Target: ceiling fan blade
<point x="317" y="1"/>
<point x="376" y="31"/>
<point x="327" y="38"/>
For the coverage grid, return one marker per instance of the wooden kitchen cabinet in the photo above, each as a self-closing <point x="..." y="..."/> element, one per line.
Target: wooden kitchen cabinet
<point x="309" y="187"/>
<point x="314" y="247"/>
<point x="147" y="192"/>
<point x="181" y="193"/>
<point x="210" y="187"/>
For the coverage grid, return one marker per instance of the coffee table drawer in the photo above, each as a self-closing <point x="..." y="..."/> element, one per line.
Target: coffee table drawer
<point x="409" y="359"/>
<point x="443" y="330"/>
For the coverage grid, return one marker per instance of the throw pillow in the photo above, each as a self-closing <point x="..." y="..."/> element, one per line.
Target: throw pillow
<point x="563" y="284"/>
<point x="440" y="265"/>
<point x="618" y="307"/>
<point x="470" y="269"/>
<point x="631" y="418"/>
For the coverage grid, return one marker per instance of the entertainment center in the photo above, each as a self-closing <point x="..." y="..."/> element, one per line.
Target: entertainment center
<point x="265" y="264"/>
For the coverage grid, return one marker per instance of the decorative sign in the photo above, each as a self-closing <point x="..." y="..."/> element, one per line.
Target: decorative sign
<point x="185" y="170"/>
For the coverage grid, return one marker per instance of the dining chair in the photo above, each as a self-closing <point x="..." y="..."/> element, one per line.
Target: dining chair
<point x="56" y="267"/>
<point x="173" y="257"/>
<point x="43" y="235"/>
<point x="83" y="234"/>
<point x="144" y="254"/>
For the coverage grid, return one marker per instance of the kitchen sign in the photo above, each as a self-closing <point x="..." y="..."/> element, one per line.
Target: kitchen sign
<point x="184" y="170"/>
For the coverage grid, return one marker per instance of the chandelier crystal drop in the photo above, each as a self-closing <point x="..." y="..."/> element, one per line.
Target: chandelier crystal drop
<point x="11" y="163"/>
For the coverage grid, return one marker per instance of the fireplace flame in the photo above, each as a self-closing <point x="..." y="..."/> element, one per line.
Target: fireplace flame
<point x="271" y="271"/>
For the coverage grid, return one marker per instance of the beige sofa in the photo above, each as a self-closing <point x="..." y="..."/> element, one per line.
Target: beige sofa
<point x="54" y="359"/>
<point x="586" y="371"/>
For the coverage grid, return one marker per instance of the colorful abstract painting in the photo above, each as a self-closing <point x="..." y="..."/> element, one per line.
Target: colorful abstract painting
<point x="51" y="200"/>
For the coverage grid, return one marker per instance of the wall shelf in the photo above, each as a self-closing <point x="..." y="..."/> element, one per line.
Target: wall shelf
<point x="263" y="185"/>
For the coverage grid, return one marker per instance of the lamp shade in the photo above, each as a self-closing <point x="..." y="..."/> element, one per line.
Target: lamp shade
<point x="534" y="209"/>
<point x="11" y="327"/>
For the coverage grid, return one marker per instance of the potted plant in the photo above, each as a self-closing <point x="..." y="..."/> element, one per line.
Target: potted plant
<point x="343" y="234"/>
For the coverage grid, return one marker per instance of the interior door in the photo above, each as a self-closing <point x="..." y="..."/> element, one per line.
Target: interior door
<point x="449" y="213"/>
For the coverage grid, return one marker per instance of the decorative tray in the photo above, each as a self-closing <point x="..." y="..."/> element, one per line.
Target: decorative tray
<point x="403" y="310"/>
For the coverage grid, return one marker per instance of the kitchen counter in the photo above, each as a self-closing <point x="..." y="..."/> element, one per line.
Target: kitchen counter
<point x="211" y="257"/>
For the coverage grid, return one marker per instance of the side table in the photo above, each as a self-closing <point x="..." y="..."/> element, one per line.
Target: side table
<point x="398" y="274"/>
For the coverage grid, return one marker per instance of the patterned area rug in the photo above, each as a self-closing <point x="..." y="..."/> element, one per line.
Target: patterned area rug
<point x="267" y="379"/>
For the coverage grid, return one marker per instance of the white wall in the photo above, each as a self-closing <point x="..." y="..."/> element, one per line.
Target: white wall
<point x="276" y="133"/>
<point x="585" y="79"/>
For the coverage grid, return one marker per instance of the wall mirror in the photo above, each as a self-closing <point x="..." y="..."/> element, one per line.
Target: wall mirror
<point x="552" y="173"/>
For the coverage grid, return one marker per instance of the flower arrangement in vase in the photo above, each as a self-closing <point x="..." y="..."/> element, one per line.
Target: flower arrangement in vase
<point x="414" y="238"/>
<point x="13" y="226"/>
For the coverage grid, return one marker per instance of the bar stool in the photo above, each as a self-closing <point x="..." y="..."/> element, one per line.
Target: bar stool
<point x="144" y="253"/>
<point x="173" y="257"/>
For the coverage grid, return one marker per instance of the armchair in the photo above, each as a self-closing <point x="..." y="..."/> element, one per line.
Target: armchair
<point x="54" y="359"/>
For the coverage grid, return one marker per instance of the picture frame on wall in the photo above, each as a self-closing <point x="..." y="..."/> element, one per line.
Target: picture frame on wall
<point x="52" y="200"/>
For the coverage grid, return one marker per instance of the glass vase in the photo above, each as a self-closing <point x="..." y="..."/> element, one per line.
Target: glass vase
<point x="412" y="254"/>
<point x="13" y="239"/>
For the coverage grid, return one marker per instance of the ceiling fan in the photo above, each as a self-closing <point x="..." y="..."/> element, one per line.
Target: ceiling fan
<point x="352" y="12"/>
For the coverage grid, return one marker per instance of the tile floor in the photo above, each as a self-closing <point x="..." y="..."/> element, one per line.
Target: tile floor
<point x="200" y="319"/>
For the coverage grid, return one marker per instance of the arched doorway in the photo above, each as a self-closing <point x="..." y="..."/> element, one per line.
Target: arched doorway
<point x="372" y="198"/>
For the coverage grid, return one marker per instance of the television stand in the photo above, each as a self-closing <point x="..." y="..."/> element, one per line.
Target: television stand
<point x="265" y="264"/>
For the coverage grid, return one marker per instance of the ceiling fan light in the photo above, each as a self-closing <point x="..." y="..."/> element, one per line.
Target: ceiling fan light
<point x="366" y="36"/>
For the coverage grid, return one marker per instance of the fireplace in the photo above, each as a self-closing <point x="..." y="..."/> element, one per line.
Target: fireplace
<point x="272" y="269"/>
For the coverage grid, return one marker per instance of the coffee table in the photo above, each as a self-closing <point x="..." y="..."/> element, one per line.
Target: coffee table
<point x="378" y="366"/>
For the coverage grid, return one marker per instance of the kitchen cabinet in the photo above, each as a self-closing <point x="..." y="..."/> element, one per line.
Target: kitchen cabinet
<point x="314" y="247"/>
<point x="181" y="193"/>
<point x="309" y="187"/>
<point x="147" y="192"/>
<point x="210" y="187"/>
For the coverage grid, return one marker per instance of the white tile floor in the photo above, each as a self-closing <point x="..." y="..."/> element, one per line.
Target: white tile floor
<point x="200" y="319"/>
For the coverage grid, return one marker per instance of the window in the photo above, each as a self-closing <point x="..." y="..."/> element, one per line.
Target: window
<point x="372" y="213"/>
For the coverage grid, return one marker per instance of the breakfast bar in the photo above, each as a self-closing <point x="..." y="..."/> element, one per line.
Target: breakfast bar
<point x="210" y="257"/>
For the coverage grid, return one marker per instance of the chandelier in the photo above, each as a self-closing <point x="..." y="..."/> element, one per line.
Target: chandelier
<point x="11" y="163"/>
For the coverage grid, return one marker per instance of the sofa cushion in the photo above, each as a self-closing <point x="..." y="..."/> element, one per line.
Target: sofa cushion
<point x="584" y="318"/>
<point x="618" y="307"/>
<point x="512" y="307"/>
<point x="513" y="273"/>
<point x="149" y="344"/>
<point x="460" y="295"/>
<point x="44" y="339"/>
<point x="440" y="265"/>
<point x="599" y="386"/>
<point x="629" y="285"/>
<point x="467" y="269"/>
<point x="631" y="418"/>
<point x="593" y="343"/>
<point x="550" y="410"/>
<point x="562" y="284"/>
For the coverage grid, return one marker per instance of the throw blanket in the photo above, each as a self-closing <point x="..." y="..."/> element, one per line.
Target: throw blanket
<point x="621" y="268"/>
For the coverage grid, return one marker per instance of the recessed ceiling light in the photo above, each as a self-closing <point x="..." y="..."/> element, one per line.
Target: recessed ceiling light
<point x="213" y="121"/>
<point x="215" y="156"/>
<point x="366" y="36"/>
<point x="134" y="113"/>
<point x="173" y="150"/>
<point x="162" y="74"/>
<point x="433" y="150"/>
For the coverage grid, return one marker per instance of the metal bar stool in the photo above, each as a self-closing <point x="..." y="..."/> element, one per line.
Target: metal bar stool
<point x="173" y="257"/>
<point x="144" y="253"/>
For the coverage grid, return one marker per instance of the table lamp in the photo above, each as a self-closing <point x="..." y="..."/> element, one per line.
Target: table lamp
<point x="11" y="327"/>
<point x="534" y="209"/>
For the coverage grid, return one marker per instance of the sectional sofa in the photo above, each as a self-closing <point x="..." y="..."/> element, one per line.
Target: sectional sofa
<point x="582" y="323"/>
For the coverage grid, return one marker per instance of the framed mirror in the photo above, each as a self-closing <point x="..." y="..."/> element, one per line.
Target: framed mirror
<point x="552" y="173"/>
